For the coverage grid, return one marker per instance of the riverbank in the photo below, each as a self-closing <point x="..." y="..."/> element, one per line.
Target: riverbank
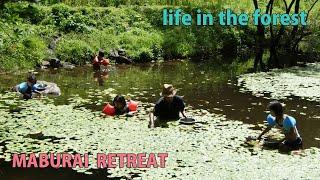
<point x="32" y="33"/>
<point x="28" y="29"/>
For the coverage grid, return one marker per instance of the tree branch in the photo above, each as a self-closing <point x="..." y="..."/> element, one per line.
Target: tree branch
<point x="290" y="6"/>
<point x="304" y="27"/>
<point x="285" y="4"/>
<point x="269" y="6"/>
<point x="282" y="29"/>
<point x="311" y="9"/>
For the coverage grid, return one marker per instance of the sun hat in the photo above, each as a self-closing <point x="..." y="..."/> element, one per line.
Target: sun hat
<point x="168" y="91"/>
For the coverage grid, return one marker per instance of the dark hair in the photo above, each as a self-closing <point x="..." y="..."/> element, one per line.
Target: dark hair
<point x="119" y="99"/>
<point x="101" y="53"/>
<point x="276" y="107"/>
<point x="32" y="78"/>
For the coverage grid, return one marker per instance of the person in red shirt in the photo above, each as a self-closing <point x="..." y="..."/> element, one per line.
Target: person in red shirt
<point x="100" y="60"/>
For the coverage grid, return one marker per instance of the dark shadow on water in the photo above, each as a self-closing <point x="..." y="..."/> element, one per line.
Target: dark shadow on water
<point x="9" y="173"/>
<point x="41" y="136"/>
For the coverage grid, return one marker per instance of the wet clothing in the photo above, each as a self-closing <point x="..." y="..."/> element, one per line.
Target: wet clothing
<point x="287" y="123"/>
<point x="165" y="111"/>
<point x="122" y="111"/>
<point x="294" y="145"/>
<point x="26" y="90"/>
<point x="23" y="88"/>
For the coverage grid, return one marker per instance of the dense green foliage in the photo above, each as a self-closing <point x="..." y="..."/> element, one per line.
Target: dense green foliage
<point x="28" y="28"/>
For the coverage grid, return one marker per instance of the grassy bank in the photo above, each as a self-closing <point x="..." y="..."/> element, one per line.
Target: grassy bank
<point x="27" y="30"/>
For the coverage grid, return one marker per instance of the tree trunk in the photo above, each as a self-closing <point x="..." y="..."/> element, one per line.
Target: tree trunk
<point x="260" y="38"/>
<point x="273" y="59"/>
<point x="291" y="48"/>
<point x="282" y="29"/>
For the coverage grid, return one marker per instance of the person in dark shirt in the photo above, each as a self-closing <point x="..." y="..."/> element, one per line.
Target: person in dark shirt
<point x="168" y="107"/>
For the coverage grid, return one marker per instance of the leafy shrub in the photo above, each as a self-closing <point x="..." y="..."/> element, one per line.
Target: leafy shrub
<point x="74" y="51"/>
<point x="141" y="45"/>
<point x="207" y="42"/>
<point x="105" y="39"/>
<point x="28" y="52"/>
<point x="230" y="38"/>
<point x="75" y="22"/>
<point x="178" y="43"/>
<point x="32" y="13"/>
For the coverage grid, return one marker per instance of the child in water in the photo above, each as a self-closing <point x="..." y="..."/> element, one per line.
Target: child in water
<point x="28" y="87"/>
<point x="277" y="118"/>
<point x="120" y="106"/>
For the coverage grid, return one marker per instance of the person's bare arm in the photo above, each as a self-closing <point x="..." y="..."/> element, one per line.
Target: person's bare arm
<point x="183" y="114"/>
<point x="151" y="123"/>
<point x="95" y="59"/>
<point x="264" y="132"/>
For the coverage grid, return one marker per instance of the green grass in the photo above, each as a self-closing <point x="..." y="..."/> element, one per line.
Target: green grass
<point x="130" y="25"/>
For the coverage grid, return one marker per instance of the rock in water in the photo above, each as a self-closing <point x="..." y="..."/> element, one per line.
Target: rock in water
<point x="55" y="63"/>
<point x="51" y="88"/>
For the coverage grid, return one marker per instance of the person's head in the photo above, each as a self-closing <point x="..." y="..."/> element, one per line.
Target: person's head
<point x="276" y="108"/>
<point x="31" y="79"/>
<point x="168" y="92"/>
<point x="119" y="102"/>
<point x="101" y="53"/>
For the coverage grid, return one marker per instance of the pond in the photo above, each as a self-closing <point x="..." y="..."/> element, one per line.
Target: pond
<point x="211" y="88"/>
<point x="207" y="85"/>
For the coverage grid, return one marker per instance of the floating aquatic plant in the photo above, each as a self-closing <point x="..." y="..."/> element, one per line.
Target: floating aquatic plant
<point x="302" y="82"/>
<point x="213" y="147"/>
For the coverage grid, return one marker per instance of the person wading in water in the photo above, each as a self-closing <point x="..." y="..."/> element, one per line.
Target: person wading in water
<point x="167" y="108"/>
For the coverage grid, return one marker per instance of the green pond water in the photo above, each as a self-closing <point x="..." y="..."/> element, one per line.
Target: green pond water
<point x="206" y="85"/>
<point x="227" y="112"/>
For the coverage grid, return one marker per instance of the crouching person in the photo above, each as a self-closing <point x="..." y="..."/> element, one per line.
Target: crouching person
<point x="288" y="124"/>
<point x="27" y="88"/>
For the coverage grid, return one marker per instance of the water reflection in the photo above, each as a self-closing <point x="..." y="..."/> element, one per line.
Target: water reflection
<point x="101" y="76"/>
